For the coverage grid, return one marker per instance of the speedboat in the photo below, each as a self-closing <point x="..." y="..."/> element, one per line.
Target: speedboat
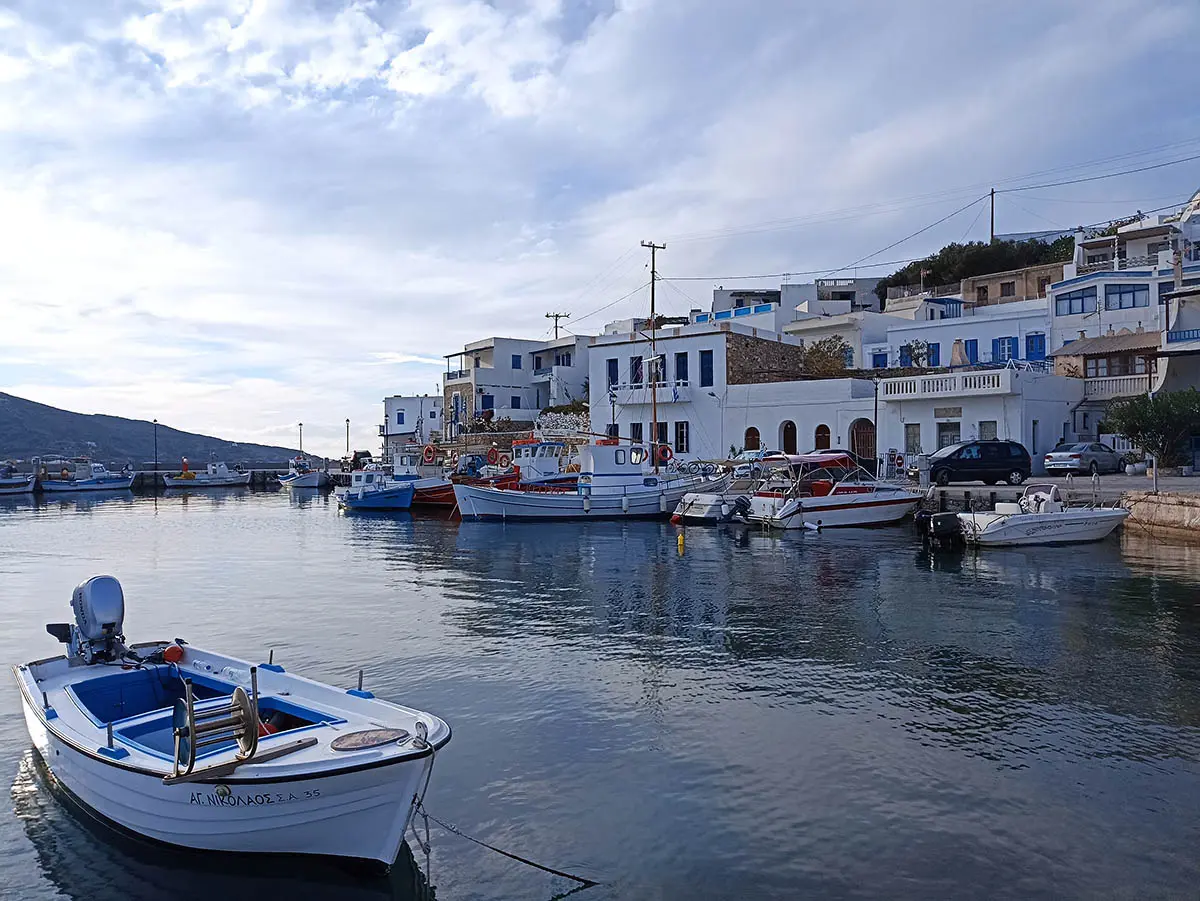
<point x="11" y="483"/>
<point x="302" y="475"/>
<point x="217" y="475"/>
<point x="87" y="477"/>
<point x="372" y="490"/>
<point x="202" y="750"/>
<point x="711" y="507"/>
<point x="1039" y="517"/>
<point x="615" y="482"/>
<point x="826" y="490"/>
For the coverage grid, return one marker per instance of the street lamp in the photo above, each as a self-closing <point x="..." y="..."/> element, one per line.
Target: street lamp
<point x="156" y="446"/>
<point x="301" y="438"/>
<point x="347" y="436"/>
<point x="612" y="399"/>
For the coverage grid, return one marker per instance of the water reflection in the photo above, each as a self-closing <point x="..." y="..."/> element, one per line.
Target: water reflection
<point x="84" y="501"/>
<point x="88" y="860"/>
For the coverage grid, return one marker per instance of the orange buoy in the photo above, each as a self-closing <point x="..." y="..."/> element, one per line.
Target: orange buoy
<point x="172" y="653"/>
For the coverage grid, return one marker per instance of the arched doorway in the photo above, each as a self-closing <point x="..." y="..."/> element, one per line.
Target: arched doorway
<point x="752" y="440"/>
<point x="821" y="438"/>
<point x="787" y="437"/>
<point x="862" y="438"/>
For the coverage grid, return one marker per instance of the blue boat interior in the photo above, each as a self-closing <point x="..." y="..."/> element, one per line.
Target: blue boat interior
<point x="139" y="704"/>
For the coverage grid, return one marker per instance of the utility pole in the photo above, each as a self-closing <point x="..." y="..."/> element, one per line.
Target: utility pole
<point x="347" y="436"/>
<point x="653" y="248"/>
<point x="556" y="317"/>
<point x="301" y="438"/>
<point x="993" y="236"/>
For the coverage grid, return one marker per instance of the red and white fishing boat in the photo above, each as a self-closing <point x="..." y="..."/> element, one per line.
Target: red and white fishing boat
<point x="818" y="491"/>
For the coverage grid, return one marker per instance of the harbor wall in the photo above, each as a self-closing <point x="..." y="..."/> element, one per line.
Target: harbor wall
<point x="1166" y="513"/>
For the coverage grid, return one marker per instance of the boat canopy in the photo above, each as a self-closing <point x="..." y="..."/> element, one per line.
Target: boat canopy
<point x="842" y="461"/>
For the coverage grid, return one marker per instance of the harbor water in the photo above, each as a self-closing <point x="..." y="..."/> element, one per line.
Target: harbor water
<point x="832" y="715"/>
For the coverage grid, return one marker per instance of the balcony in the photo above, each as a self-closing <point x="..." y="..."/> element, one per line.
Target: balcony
<point x="1112" y="386"/>
<point x="1145" y="261"/>
<point x="959" y="384"/>
<point x="1190" y="334"/>
<point x="543" y="372"/>
<point x="666" y="392"/>
<point x="455" y="375"/>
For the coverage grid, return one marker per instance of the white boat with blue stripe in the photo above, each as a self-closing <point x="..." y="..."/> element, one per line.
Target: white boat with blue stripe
<point x="12" y="483"/>
<point x="89" y="477"/>
<point x="206" y="751"/>
<point x="371" y="489"/>
<point x="301" y="474"/>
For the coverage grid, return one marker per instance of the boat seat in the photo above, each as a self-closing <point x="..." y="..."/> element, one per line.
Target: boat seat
<point x="1009" y="507"/>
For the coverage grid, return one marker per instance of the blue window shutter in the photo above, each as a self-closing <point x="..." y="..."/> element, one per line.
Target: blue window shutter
<point x="995" y="350"/>
<point x="972" y="348"/>
<point x="935" y="354"/>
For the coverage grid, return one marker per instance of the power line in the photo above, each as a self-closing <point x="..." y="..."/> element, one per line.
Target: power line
<point x="613" y="304"/>
<point x="733" y="278"/>
<point x="1076" y="181"/>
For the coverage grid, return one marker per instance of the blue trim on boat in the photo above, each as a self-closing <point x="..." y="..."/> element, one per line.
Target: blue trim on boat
<point x="272" y="667"/>
<point x="359" y="693"/>
<point x="113" y="753"/>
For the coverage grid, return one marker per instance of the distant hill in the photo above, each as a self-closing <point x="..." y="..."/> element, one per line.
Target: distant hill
<point x="30" y="429"/>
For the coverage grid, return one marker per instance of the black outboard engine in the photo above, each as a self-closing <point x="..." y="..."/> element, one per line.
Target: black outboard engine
<point x="741" y="509"/>
<point x="945" y="530"/>
<point x="97" y="636"/>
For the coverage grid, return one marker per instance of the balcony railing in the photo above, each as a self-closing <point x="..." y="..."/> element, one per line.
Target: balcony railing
<point x="1115" y="386"/>
<point x="542" y="371"/>
<point x="1143" y="261"/>
<point x="998" y="381"/>
<point x="1188" y="334"/>
<point x="453" y="374"/>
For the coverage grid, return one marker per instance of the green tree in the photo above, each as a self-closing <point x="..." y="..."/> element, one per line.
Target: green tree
<point x="1161" y="425"/>
<point x="826" y="356"/>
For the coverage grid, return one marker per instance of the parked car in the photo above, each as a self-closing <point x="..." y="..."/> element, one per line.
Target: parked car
<point x="1087" y="456"/>
<point x="986" y="461"/>
<point x="749" y="462"/>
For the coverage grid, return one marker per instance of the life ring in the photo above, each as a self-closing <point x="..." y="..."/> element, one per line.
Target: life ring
<point x="428" y="454"/>
<point x="493" y="456"/>
<point x="505" y="461"/>
<point x="454" y="458"/>
<point x="664" y="453"/>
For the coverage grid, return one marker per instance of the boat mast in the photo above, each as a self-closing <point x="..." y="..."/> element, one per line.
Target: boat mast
<point x="653" y="248"/>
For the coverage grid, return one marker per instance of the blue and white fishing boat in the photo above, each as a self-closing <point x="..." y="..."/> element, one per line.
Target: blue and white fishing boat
<point x="372" y="490"/>
<point x="301" y="474"/>
<point x="88" y="477"/>
<point x="206" y="751"/>
<point x="12" y="483"/>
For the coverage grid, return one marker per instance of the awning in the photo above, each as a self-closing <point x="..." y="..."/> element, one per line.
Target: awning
<point x="1110" y="344"/>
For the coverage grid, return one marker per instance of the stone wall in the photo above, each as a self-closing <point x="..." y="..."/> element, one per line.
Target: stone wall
<point x="757" y="361"/>
<point x="1166" y="513"/>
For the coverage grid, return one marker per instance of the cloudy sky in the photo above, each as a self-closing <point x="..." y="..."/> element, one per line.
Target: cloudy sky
<point x="234" y="215"/>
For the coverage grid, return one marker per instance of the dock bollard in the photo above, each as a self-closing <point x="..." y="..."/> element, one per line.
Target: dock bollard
<point x="679" y="543"/>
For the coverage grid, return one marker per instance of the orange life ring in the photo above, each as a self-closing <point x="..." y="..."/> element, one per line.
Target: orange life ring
<point x="505" y="461"/>
<point x="492" y="456"/>
<point x="428" y="454"/>
<point x="664" y="453"/>
<point x="454" y="457"/>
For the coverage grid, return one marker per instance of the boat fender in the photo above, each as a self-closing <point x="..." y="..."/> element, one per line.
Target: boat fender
<point x="676" y="519"/>
<point x="587" y="503"/>
<point x="172" y="653"/>
<point x="625" y="504"/>
<point x="725" y="511"/>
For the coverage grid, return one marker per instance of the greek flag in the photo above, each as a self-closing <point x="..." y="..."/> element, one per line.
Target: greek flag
<point x="675" y="393"/>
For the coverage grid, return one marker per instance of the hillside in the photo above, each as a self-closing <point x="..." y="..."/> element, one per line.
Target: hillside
<point x="28" y="429"/>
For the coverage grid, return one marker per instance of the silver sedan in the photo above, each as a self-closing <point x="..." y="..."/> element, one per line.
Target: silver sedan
<point x="1090" y="456"/>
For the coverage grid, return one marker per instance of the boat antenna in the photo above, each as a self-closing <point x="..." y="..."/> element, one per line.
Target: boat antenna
<point x="653" y="248"/>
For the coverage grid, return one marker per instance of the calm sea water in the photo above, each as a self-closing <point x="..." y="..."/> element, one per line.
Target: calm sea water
<point x="831" y="715"/>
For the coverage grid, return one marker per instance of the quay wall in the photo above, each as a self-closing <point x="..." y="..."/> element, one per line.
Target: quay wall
<point x="1166" y="513"/>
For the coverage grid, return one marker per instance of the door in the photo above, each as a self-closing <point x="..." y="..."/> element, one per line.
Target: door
<point x="752" y="440"/>
<point x="862" y="439"/>
<point x="948" y="433"/>
<point x="789" y="437"/>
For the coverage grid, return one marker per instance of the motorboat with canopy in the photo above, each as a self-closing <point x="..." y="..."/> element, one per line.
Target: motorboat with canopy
<point x="87" y="476"/>
<point x="302" y="474"/>
<point x="204" y="750"/>
<point x="215" y="475"/>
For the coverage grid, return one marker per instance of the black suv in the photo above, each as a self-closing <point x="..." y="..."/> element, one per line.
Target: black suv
<point x="987" y="461"/>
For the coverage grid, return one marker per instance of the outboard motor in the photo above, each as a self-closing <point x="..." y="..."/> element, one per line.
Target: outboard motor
<point x="741" y="509"/>
<point x="97" y="636"/>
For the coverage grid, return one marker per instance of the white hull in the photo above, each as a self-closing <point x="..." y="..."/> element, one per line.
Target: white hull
<point x="17" y="486"/>
<point x="1070" y="526"/>
<point x="834" y="511"/>
<point x="307" y="480"/>
<point x="108" y="484"/>
<point x="233" y="480"/>
<point x="479" y="502"/>
<point x="705" y="507"/>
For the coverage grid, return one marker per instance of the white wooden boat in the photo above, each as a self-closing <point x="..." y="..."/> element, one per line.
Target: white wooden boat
<point x="202" y="750"/>
<point x="371" y="489"/>
<point x="711" y="507"/>
<point x="1039" y="517"/>
<point x="216" y="475"/>
<point x="87" y="477"/>
<point x="827" y="491"/>
<point x="615" y="482"/>
<point x="11" y="483"/>
<point x="301" y="474"/>
<point x="420" y="468"/>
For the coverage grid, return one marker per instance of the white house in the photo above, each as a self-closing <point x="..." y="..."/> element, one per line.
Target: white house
<point x="410" y="419"/>
<point x="989" y="334"/>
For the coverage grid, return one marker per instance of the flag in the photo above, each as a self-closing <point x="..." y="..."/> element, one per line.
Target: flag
<point x="675" y="394"/>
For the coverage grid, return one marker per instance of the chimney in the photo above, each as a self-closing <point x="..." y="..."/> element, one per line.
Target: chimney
<point x="1082" y="333"/>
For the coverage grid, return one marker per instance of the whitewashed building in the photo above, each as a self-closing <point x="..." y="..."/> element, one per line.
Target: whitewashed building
<point x="986" y="334"/>
<point x="410" y="419"/>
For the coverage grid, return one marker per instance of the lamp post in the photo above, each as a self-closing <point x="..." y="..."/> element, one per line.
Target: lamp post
<point x="612" y="399"/>
<point x="347" y="436"/>
<point x="301" y="438"/>
<point x="156" y="448"/>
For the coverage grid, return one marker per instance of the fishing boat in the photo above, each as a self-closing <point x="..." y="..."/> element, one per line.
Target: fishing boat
<point x="203" y="750"/>
<point x="301" y="474"/>
<point x="421" y="469"/>
<point x="1039" y="517"/>
<point x="216" y="475"/>
<point x="615" y="482"/>
<point x="373" y="490"/>
<point x="87" y="477"/>
<point x="12" y="483"/>
<point x="543" y="462"/>
<point x="827" y="490"/>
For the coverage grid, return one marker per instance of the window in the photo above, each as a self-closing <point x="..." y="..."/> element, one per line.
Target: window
<point x="981" y="294"/>
<point x="681" y="437"/>
<point x="662" y="433"/>
<point x="487" y="402"/>
<point x="970" y="452"/>
<point x="637" y="455"/>
<point x="433" y="414"/>
<point x="563" y="359"/>
<point x="1126" y="297"/>
<point x="1043" y="285"/>
<point x="516" y="402"/>
<point x="619" y="457"/>
<point x="905" y="355"/>
<point x="848" y="358"/>
<point x="658" y="370"/>
<point x="635" y="431"/>
<point x="706" y="368"/>
<point x="635" y="370"/>
<point x="516" y="361"/>
<point x="934" y="355"/>
<point x="912" y="438"/>
<point x="614" y="372"/>
<point x="987" y="429"/>
<point x="681" y="367"/>
<point x="948" y="433"/>
<point x="1099" y="257"/>
<point x="399" y="417"/>
<point x="1004" y="349"/>
<point x="972" y="348"/>
<point x="1156" y="247"/>
<point x="879" y="360"/>
<point x="1008" y="289"/>
<point x="1081" y="301"/>
<point x="1096" y="367"/>
<point x="1035" y="346"/>
<point x="611" y="428"/>
<point x="1014" y="450"/>
<point x="537" y="362"/>
<point x="478" y="362"/>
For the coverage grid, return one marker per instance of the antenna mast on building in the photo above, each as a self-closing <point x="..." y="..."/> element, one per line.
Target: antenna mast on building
<point x="556" y="317"/>
<point x="653" y="248"/>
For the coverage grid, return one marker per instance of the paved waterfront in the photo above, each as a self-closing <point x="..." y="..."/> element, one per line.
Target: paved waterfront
<point x="833" y="715"/>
